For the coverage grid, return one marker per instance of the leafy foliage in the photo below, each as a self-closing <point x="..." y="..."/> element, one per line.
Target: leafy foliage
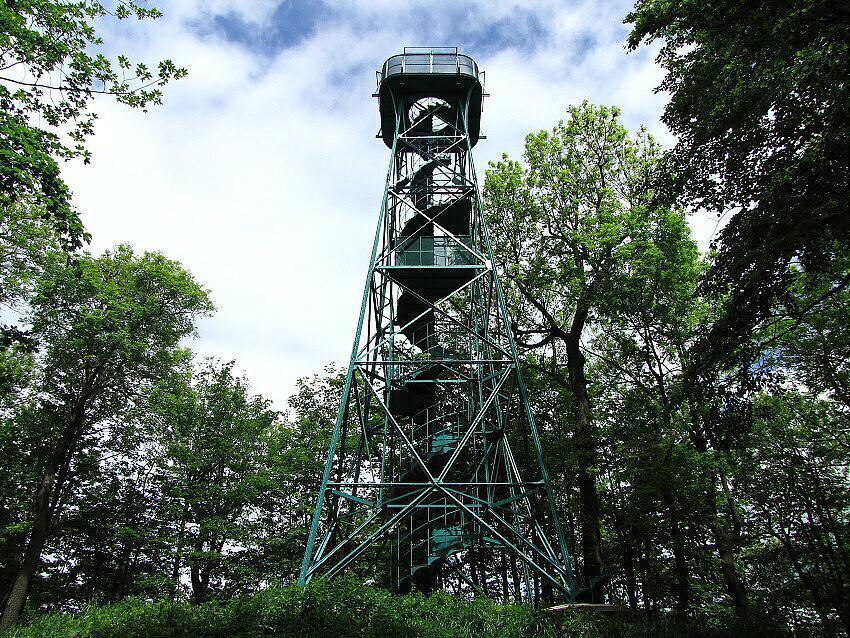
<point x="109" y="328"/>
<point x="573" y="233"/>
<point x="344" y="608"/>
<point x="52" y="65"/>
<point x="603" y="280"/>
<point x="759" y="104"/>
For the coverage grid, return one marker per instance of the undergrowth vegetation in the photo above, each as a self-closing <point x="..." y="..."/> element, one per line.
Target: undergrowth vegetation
<point x="344" y="609"/>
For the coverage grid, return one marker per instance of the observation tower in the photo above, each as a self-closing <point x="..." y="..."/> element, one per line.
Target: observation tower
<point x="421" y="474"/>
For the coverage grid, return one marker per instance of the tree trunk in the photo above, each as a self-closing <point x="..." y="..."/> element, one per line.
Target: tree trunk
<point x="724" y="538"/>
<point x="586" y="449"/>
<point x="472" y="557"/>
<point x="683" y="592"/>
<point x="178" y="553"/>
<point x="199" y="586"/>
<point x="628" y="562"/>
<point x="46" y="500"/>
<point x="32" y="555"/>
<point x="484" y="572"/>
<point x="515" y="577"/>
<point x="650" y="578"/>
<point x="734" y="584"/>
<point x="677" y="538"/>
<point x="505" y="594"/>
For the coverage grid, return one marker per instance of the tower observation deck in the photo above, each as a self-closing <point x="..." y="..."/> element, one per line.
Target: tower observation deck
<point x="420" y="474"/>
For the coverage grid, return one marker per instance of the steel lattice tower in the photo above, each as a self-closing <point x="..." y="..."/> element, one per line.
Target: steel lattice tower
<point x="420" y="468"/>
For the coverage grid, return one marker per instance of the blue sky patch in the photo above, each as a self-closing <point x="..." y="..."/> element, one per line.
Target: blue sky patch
<point x="294" y="21"/>
<point x="289" y="24"/>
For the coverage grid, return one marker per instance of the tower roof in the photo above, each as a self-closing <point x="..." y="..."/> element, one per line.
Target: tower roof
<point x="418" y="72"/>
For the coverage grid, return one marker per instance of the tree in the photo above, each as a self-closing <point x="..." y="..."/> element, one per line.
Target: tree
<point x="297" y="457"/>
<point x="26" y="244"/>
<point x="800" y="522"/>
<point x="643" y="347"/>
<point x="109" y="328"/>
<point x="52" y="66"/>
<point x="214" y="437"/>
<point x="641" y="344"/>
<point x="760" y="105"/>
<point x="558" y="223"/>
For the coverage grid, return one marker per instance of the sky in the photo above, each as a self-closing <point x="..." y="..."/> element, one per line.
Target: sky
<point x="261" y="173"/>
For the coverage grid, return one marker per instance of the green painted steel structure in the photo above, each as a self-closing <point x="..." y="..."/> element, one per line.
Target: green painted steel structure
<point x="420" y="469"/>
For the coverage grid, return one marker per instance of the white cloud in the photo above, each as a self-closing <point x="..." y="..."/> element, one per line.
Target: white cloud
<point x="262" y="175"/>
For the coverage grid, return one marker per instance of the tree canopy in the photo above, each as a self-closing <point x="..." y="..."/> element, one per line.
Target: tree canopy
<point x="52" y="66"/>
<point x="759" y="105"/>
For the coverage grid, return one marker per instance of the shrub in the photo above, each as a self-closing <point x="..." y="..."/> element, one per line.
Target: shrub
<point x="345" y="609"/>
<point x="326" y="609"/>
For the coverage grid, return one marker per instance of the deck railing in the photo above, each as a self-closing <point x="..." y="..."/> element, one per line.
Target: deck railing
<point x="417" y="60"/>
